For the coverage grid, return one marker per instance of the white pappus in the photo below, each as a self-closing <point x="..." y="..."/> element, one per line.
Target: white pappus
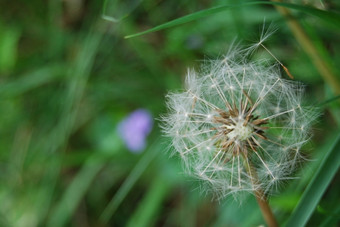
<point x="238" y="125"/>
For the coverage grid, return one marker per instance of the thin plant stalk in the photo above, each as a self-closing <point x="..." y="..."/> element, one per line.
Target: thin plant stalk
<point x="226" y="113"/>
<point x="265" y="209"/>
<point x="261" y="199"/>
<point x="323" y="67"/>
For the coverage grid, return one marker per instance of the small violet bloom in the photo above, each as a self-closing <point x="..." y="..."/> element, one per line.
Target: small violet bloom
<point x="135" y="128"/>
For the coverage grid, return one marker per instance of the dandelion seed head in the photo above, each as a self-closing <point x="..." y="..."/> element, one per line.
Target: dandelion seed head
<point x="235" y="116"/>
<point x="239" y="131"/>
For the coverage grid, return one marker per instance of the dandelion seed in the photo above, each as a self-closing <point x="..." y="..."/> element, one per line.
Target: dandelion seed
<point x="244" y="125"/>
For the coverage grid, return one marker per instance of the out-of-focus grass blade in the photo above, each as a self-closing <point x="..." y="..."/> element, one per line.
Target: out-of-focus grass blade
<point x="331" y="219"/>
<point x="331" y="18"/>
<point x="9" y="37"/>
<point x="76" y="82"/>
<point x="151" y="203"/>
<point x="231" y="213"/>
<point x="32" y="80"/>
<point x="118" y="198"/>
<point x="329" y="101"/>
<point x="76" y="191"/>
<point x="317" y="186"/>
<point x="119" y="9"/>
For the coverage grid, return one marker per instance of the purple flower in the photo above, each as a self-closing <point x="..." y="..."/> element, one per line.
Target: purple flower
<point x="135" y="128"/>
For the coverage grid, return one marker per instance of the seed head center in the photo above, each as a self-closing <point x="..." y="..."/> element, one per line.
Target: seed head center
<point x="240" y="131"/>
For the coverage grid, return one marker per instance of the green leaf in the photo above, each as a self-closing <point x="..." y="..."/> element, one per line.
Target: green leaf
<point x="317" y="186"/>
<point x="330" y="18"/>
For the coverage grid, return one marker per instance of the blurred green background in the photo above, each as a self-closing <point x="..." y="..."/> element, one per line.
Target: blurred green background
<point x="68" y="77"/>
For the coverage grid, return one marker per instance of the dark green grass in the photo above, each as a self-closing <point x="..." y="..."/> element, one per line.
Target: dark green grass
<point x="68" y="77"/>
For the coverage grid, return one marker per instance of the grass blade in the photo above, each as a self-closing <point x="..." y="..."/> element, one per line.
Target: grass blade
<point x="328" y="101"/>
<point x="122" y="192"/>
<point x="151" y="204"/>
<point x="32" y="80"/>
<point x="317" y="186"/>
<point x="77" y="78"/>
<point x="76" y="191"/>
<point x="331" y="18"/>
<point x="332" y="219"/>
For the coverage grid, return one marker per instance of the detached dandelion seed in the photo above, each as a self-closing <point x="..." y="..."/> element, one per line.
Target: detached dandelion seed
<point x="238" y="125"/>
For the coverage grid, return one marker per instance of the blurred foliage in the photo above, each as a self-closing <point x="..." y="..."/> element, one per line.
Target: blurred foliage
<point x="67" y="77"/>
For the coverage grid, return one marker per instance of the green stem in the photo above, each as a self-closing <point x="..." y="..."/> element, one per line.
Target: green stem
<point x="323" y="67"/>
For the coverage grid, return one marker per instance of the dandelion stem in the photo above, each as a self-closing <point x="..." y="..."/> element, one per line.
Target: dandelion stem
<point x="261" y="197"/>
<point x="265" y="208"/>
